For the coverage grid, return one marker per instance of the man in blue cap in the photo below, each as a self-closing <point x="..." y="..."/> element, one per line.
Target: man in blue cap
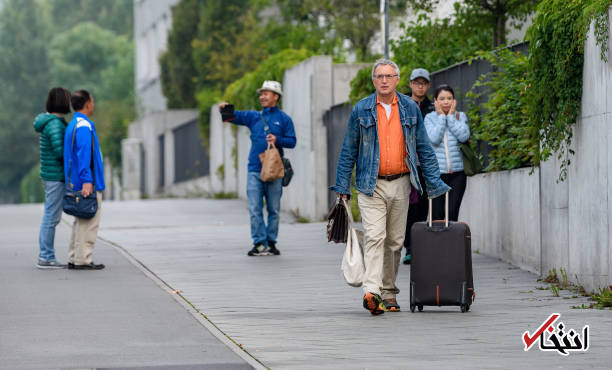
<point x="419" y="85"/>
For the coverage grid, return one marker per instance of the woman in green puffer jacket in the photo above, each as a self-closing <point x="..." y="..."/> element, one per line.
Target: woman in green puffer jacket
<point x="52" y="126"/>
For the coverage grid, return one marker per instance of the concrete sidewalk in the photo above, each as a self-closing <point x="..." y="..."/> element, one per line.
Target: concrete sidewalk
<point x="113" y="318"/>
<point x="291" y="311"/>
<point x="295" y="311"/>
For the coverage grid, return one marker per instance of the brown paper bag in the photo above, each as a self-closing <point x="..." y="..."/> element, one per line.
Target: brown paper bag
<point x="271" y="164"/>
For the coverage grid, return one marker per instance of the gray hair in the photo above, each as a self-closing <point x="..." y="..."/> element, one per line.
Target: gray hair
<point x="385" y="62"/>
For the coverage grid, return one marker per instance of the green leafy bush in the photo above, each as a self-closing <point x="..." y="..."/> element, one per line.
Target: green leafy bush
<point x="502" y="121"/>
<point x="556" y="59"/>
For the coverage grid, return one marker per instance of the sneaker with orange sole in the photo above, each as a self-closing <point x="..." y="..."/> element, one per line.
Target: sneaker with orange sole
<point x="373" y="303"/>
<point x="391" y="305"/>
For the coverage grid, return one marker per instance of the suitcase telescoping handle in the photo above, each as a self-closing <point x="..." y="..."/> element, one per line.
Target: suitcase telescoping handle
<point x="445" y="211"/>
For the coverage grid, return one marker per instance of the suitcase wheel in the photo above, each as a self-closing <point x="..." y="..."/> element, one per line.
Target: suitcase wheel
<point x="465" y="307"/>
<point x="420" y="308"/>
<point x="412" y="307"/>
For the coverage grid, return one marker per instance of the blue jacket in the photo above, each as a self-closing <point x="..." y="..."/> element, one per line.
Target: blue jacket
<point x="457" y="132"/>
<point x="361" y="146"/>
<point x="78" y="159"/>
<point x="278" y="124"/>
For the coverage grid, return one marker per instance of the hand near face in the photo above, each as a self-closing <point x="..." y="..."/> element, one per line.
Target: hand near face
<point x="438" y="107"/>
<point x="452" y="107"/>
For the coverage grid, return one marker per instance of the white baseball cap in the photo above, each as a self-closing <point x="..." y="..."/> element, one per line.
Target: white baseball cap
<point x="273" y="86"/>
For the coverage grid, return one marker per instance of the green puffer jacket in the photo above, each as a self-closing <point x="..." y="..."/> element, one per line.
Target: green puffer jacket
<point x="52" y="129"/>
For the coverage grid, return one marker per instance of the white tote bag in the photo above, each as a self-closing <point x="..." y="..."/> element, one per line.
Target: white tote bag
<point x="353" y="267"/>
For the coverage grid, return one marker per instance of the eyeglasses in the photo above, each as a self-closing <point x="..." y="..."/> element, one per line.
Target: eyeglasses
<point x="419" y="83"/>
<point x="382" y="77"/>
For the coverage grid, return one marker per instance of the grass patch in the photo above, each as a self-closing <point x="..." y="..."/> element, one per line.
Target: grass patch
<point x="224" y="195"/>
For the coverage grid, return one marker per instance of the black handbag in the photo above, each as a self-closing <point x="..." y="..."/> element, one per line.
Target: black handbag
<point x="74" y="203"/>
<point x="288" y="171"/>
<point x="337" y="222"/>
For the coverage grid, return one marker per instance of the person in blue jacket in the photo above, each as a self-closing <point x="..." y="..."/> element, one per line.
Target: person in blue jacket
<point x="447" y="129"/>
<point x="84" y="172"/>
<point x="271" y="125"/>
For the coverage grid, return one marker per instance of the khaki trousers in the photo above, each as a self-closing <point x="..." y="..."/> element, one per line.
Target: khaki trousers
<point x="84" y="235"/>
<point x="384" y="221"/>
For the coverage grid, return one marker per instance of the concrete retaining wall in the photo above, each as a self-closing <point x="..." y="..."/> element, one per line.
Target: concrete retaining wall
<point x="310" y="89"/>
<point x="142" y="155"/>
<point x="538" y="224"/>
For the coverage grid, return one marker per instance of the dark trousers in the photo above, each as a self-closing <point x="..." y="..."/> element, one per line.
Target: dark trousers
<point x="416" y="212"/>
<point x="457" y="182"/>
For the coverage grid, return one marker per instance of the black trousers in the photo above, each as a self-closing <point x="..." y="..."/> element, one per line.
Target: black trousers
<point x="457" y="182"/>
<point x="416" y="212"/>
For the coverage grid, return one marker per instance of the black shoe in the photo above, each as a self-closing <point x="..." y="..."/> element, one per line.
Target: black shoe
<point x="272" y="249"/>
<point x="90" y="266"/>
<point x="259" y="250"/>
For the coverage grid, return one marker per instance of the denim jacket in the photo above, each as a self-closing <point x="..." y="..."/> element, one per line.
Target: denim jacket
<point x="361" y="146"/>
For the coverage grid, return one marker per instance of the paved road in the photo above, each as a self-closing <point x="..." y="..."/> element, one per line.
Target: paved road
<point x="113" y="318"/>
<point x="294" y="311"/>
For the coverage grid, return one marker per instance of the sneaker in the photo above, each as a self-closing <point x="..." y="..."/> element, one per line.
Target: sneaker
<point x="407" y="259"/>
<point x="272" y="249"/>
<point x="89" y="266"/>
<point x="54" y="264"/>
<point x="259" y="250"/>
<point x="373" y="303"/>
<point x="391" y="305"/>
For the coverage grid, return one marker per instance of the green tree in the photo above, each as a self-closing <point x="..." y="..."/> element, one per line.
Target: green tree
<point x="432" y="44"/>
<point x="178" y="71"/>
<point x="113" y="15"/>
<point x="90" y="57"/>
<point x="354" y="20"/>
<point x="492" y="13"/>
<point x="25" y="80"/>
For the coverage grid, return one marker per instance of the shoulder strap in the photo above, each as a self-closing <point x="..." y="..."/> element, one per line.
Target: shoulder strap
<point x="266" y="127"/>
<point x="93" y="170"/>
<point x="457" y="115"/>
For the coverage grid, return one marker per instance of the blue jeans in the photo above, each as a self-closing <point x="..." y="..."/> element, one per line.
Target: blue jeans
<point x="256" y="191"/>
<point x="54" y="193"/>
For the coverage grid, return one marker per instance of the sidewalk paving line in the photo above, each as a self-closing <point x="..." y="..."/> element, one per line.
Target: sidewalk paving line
<point x="199" y="316"/>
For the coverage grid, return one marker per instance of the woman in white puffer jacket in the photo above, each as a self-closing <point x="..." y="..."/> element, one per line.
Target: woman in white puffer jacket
<point x="447" y="129"/>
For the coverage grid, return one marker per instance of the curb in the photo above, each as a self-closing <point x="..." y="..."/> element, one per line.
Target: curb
<point x="183" y="301"/>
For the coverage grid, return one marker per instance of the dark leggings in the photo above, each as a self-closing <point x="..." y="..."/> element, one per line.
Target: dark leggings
<point x="416" y="212"/>
<point x="457" y="182"/>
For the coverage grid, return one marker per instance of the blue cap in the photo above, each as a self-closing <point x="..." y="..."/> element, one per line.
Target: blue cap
<point x="419" y="72"/>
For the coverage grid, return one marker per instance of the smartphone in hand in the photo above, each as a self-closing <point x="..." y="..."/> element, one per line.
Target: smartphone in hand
<point x="227" y="113"/>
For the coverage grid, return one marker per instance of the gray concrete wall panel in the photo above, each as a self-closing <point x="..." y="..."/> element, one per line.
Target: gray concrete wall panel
<point x="554" y="198"/>
<point x="244" y="146"/>
<point x="216" y="149"/>
<point x="502" y="209"/>
<point x="229" y="164"/>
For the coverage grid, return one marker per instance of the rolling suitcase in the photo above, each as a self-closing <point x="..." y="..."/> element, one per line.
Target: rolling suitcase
<point x="441" y="268"/>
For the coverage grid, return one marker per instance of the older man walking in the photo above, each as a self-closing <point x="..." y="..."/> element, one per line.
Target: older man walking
<point x="385" y="134"/>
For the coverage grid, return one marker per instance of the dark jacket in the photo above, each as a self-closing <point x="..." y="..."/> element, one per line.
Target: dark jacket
<point x="51" y="129"/>
<point x="426" y="106"/>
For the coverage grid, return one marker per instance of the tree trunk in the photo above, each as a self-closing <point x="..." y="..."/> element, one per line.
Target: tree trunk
<point x="499" y="33"/>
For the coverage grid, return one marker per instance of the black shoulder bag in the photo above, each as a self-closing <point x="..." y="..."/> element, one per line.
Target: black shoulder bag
<point x="286" y="162"/>
<point x="75" y="204"/>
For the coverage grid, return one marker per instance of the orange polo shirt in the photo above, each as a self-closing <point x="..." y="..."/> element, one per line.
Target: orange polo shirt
<point x="391" y="140"/>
